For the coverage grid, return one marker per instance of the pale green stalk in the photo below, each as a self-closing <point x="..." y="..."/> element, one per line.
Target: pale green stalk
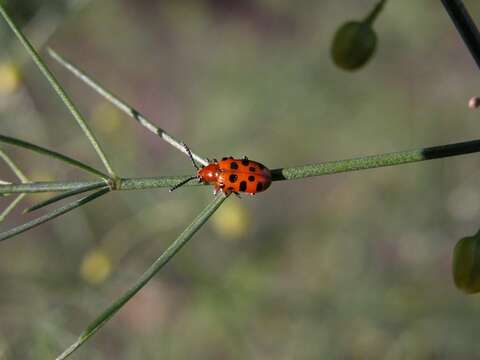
<point x="174" y="248"/>
<point x="16" y="170"/>
<point x="51" y="215"/>
<point x="52" y="154"/>
<point x="62" y="196"/>
<point x="11" y="206"/>
<point x="58" y="89"/>
<point x="287" y="173"/>
<point x="123" y="106"/>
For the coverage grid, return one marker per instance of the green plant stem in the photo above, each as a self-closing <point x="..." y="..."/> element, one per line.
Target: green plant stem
<point x="16" y="170"/>
<point x="123" y="106"/>
<point x="58" y="89"/>
<point x="11" y="206"/>
<point x="52" y="154"/>
<point x="173" y="249"/>
<point x="376" y="161"/>
<point x="288" y="173"/>
<point x="465" y="26"/>
<point x="51" y="215"/>
<point x="62" y="196"/>
<point x="372" y="16"/>
<point x="46" y="186"/>
<point x="153" y="182"/>
<point x="21" y="176"/>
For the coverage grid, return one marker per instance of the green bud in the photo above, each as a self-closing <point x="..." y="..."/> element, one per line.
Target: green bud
<point x="353" y="45"/>
<point x="466" y="264"/>
<point x="355" y="41"/>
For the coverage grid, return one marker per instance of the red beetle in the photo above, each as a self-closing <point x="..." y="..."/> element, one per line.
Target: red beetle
<point x="231" y="175"/>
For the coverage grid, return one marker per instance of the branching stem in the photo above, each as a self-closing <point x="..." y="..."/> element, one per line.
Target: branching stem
<point x="123" y="106"/>
<point x="287" y="173"/>
<point x="167" y="255"/>
<point x="58" y="89"/>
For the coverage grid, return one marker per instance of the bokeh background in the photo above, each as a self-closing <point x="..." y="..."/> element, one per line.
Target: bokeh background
<point x="348" y="266"/>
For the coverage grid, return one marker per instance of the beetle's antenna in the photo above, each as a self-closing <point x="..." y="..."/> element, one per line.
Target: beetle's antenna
<point x="189" y="153"/>
<point x="183" y="182"/>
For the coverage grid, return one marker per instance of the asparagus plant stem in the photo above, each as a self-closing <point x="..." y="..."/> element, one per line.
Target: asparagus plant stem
<point x="62" y="196"/>
<point x="374" y="13"/>
<point x="51" y="215"/>
<point x="52" y="154"/>
<point x="11" y="206"/>
<point x="375" y="161"/>
<point x="287" y="173"/>
<point x="21" y="176"/>
<point x="166" y="256"/>
<point x="46" y="186"/>
<point x="58" y="89"/>
<point x="123" y="106"/>
<point x="16" y="170"/>
<point x="465" y="26"/>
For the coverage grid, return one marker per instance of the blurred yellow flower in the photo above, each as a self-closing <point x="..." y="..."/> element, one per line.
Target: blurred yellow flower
<point x="231" y="221"/>
<point x="96" y="267"/>
<point x="106" y="118"/>
<point x="10" y="77"/>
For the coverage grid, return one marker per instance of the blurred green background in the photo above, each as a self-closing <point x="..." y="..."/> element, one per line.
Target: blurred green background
<point x="348" y="266"/>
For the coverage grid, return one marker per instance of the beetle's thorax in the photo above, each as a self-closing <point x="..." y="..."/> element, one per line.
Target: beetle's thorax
<point x="209" y="174"/>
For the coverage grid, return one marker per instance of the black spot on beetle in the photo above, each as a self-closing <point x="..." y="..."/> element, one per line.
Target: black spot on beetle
<point x="234" y="166"/>
<point x="233" y="178"/>
<point x="243" y="185"/>
<point x="259" y="186"/>
<point x="245" y="162"/>
<point x="251" y="178"/>
<point x="251" y="168"/>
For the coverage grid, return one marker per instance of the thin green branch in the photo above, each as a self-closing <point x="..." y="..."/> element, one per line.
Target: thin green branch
<point x="290" y="173"/>
<point x="51" y="215"/>
<point x="4" y="183"/>
<point x="62" y="196"/>
<point x="173" y="249"/>
<point x="45" y="186"/>
<point x="376" y="161"/>
<point x="16" y="170"/>
<point x="372" y="16"/>
<point x="153" y="182"/>
<point x="11" y="206"/>
<point x="465" y="26"/>
<point x="21" y="176"/>
<point x="51" y="153"/>
<point x="58" y="89"/>
<point x="123" y="106"/>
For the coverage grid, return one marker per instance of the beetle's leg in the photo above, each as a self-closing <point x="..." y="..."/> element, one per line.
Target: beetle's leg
<point x="217" y="188"/>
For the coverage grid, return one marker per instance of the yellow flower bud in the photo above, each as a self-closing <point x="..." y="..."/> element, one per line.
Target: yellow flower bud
<point x="10" y="78"/>
<point x="96" y="267"/>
